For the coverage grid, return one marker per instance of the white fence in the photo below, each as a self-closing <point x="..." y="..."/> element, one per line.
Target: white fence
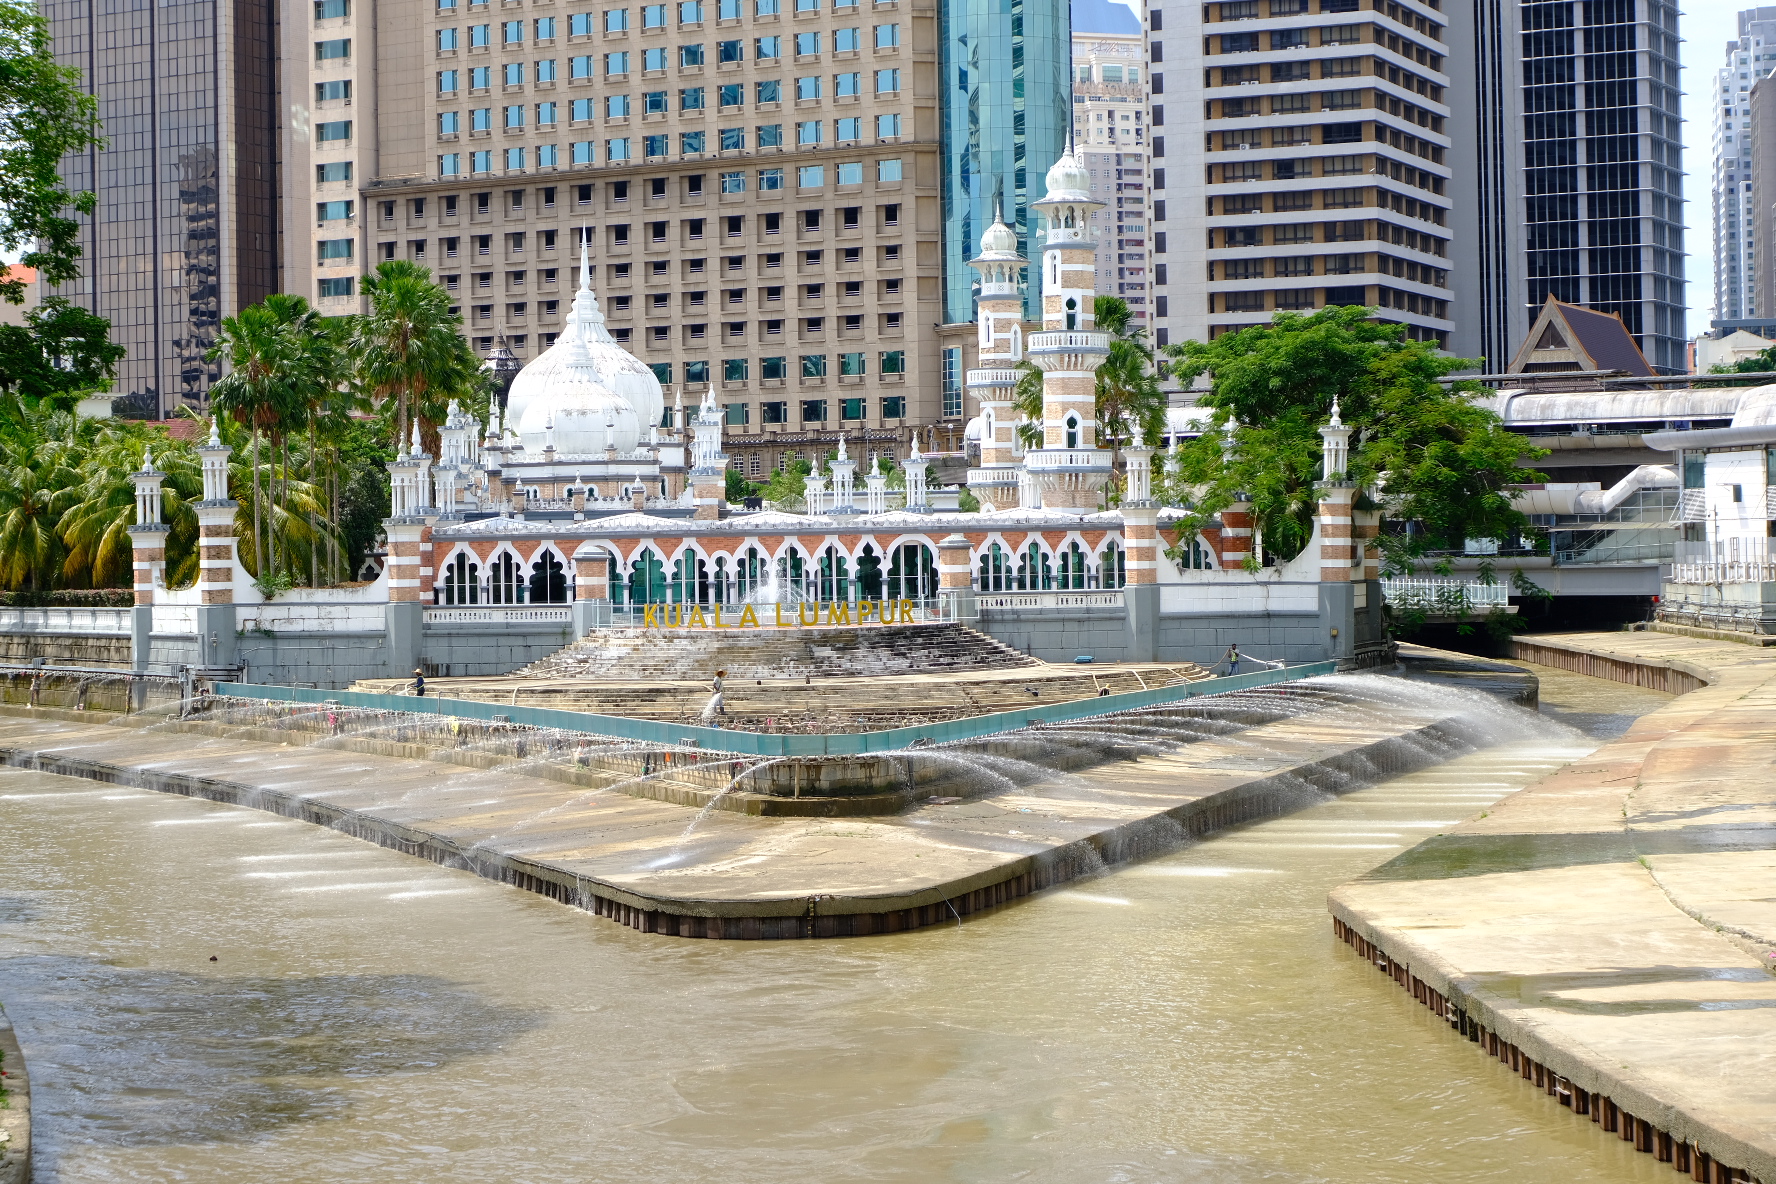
<point x="1730" y="572"/>
<point x="1444" y="597"/>
<point x="97" y="622"/>
<point x="278" y="617"/>
<point x="499" y="614"/>
<point x="988" y="600"/>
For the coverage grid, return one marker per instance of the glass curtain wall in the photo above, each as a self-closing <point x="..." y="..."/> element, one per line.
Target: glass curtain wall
<point x="1007" y="103"/>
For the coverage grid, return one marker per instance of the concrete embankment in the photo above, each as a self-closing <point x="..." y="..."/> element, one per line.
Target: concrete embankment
<point x="15" y="1109"/>
<point x="1610" y="932"/>
<point x="646" y="863"/>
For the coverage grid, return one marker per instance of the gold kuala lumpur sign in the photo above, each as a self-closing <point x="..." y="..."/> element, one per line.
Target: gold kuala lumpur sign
<point x="805" y="615"/>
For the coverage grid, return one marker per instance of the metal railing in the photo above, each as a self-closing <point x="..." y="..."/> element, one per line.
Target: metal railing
<point x="1742" y="571"/>
<point x="1070" y="599"/>
<point x="777" y="744"/>
<point x="1444" y="597"/>
<point x="504" y="614"/>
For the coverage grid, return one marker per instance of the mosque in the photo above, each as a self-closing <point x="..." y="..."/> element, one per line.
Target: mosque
<point x="573" y="506"/>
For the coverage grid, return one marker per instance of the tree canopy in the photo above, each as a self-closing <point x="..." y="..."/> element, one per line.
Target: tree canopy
<point x="44" y="115"/>
<point x="1441" y="463"/>
<point x="60" y="352"/>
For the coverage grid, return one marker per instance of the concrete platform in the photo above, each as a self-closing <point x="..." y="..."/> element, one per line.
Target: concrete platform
<point x="1610" y="932"/>
<point x="664" y="868"/>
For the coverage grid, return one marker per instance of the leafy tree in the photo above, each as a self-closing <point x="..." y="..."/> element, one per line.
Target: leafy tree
<point x="1441" y="463"/>
<point x="785" y="488"/>
<point x="60" y="351"/>
<point x="44" y="116"/>
<point x="408" y="345"/>
<point x="739" y="488"/>
<point x="360" y="467"/>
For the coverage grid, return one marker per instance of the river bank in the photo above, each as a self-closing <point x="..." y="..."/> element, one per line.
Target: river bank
<point x="1609" y="932"/>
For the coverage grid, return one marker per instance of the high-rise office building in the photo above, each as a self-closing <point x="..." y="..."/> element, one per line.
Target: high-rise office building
<point x="186" y="228"/>
<point x="771" y="191"/>
<point x="1572" y="186"/>
<point x="1749" y="57"/>
<point x="1110" y="132"/>
<point x="1305" y="162"/>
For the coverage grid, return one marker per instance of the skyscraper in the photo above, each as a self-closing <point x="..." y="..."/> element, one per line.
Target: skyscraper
<point x="1110" y="130"/>
<point x="1749" y="57"/>
<point x="186" y="229"/>
<point x="1307" y="162"/>
<point x="1573" y="186"/>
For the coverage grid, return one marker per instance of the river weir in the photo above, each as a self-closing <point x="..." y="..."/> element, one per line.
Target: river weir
<point x="601" y="823"/>
<point x="1186" y="1018"/>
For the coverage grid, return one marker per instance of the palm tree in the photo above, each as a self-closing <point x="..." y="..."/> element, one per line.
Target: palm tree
<point x="35" y="489"/>
<point x="408" y="345"/>
<point x="1130" y="404"/>
<point x="95" y="528"/>
<point x="259" y="391"/>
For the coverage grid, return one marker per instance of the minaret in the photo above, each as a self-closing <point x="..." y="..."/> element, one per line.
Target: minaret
<point x="709" y="465"/>
<point x="843" y="471"/>
<point x="999" y="317"/>
<point x="915" y="466"/>
<point x="217" y="558"/>
<point x="1069" y="470"/>
<point x="1337" y="548"/>
<point x="148" y="552"/>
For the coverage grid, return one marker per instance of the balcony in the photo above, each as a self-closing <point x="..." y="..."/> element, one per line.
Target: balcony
<point x="1071" y="460"/>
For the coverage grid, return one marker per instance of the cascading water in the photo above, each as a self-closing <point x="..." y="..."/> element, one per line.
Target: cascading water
<point x="1187" y="1020"/>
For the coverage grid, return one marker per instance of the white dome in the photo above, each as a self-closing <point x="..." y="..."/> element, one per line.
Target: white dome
<point x="1067" y="177"/>
<point x="999" y="239"/>
<point x="618" y="370"/>
<point x="576" y="412"/>
<point x="1757" y="408"/>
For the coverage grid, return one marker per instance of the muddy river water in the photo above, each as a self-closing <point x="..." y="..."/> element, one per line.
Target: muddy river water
<point x="369" y="1017"/>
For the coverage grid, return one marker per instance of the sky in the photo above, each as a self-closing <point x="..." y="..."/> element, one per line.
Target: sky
<point x="1706" y="27"/>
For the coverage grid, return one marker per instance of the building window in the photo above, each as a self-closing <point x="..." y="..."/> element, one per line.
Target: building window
<point x="335" y="50"/>
<point x="777" y="412"/>
<point x="334" y="131"/>
<point x="951" y="378"/>
<point x="813" y="410"/>
<point x="813" y="365"/>
<point x="894" y="407"/>
<point x="774" y="368"/>
<point x="333" y="211"/>
<point x="811" y="176"/>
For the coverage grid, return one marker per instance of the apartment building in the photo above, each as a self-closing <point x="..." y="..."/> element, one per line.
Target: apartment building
<point x="1306" y="163"/>
<point x="327" y="146"/>
<point x="1736" y="165"/>
<point x="186" y="230"/>
<point x="1110" y="134"/>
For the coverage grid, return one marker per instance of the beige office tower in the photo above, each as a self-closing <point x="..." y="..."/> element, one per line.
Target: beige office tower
<point x="1305" y="163"/>
<point x="327" y="141"/>
<point x="1110" y="134"/>
<point x="757" y="179"/>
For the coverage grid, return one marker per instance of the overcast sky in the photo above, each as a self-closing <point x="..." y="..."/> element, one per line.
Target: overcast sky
<point x="1706" y="28"/>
